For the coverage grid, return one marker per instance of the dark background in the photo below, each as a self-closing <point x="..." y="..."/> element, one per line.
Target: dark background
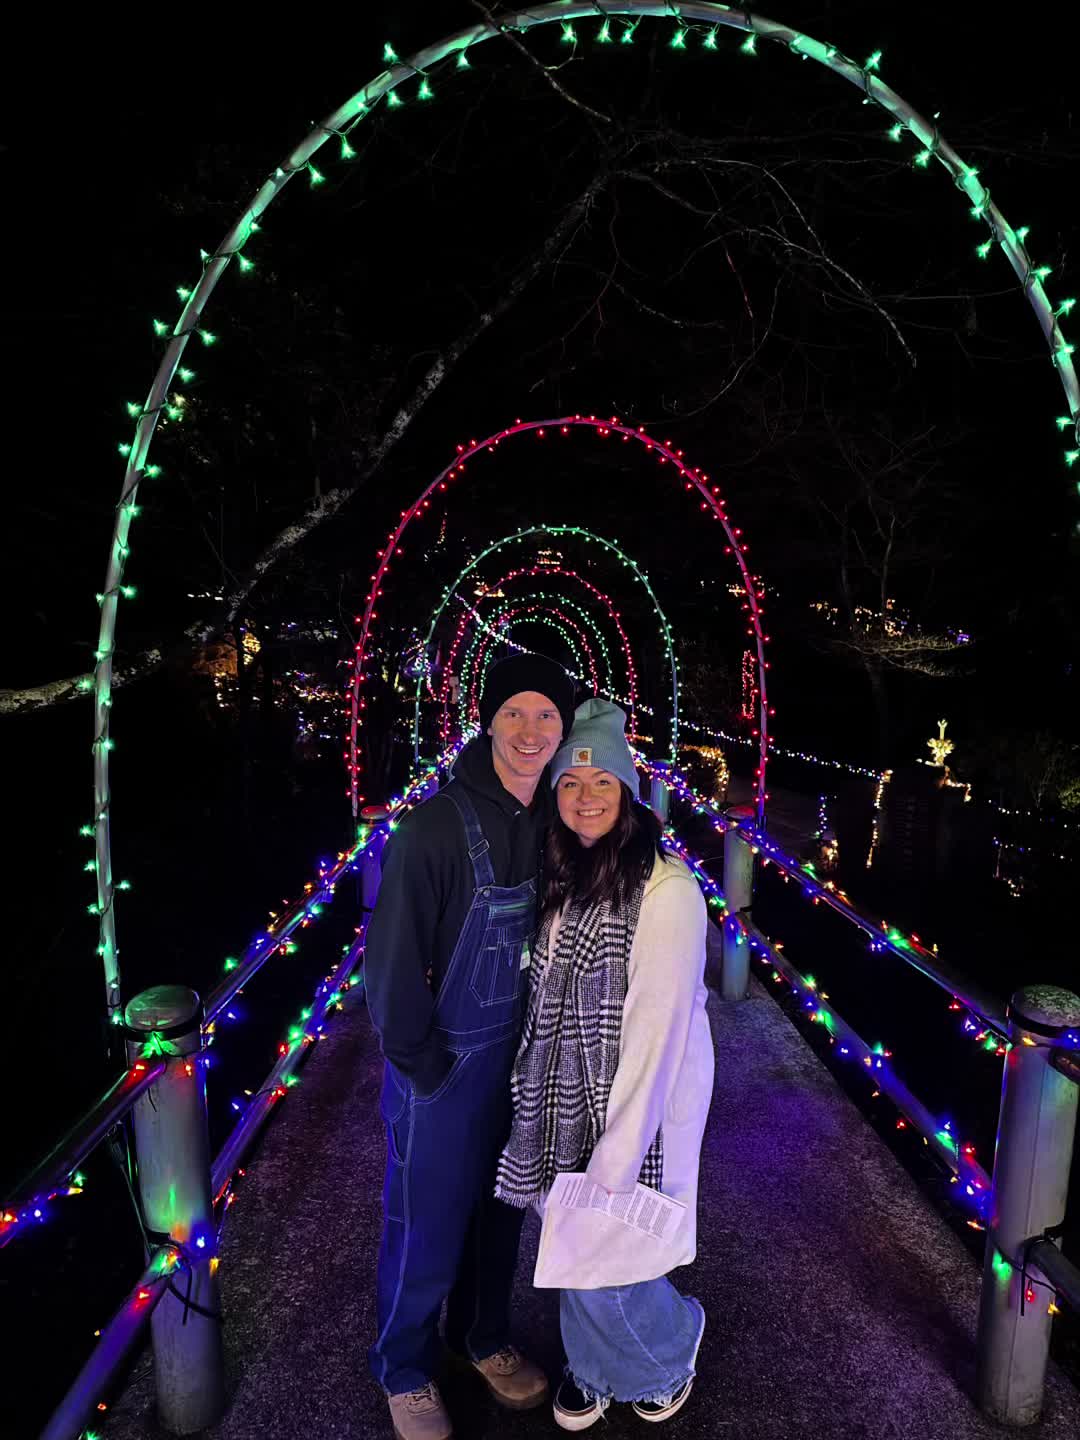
<point x="704" y="295"/>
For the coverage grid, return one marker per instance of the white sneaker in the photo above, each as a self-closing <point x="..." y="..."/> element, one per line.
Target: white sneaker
<point x="651" y="1411"/>
<point x="575" y="1411"/>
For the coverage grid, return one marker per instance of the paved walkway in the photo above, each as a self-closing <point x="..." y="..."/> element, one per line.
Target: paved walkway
<point x="839" y="1305"/>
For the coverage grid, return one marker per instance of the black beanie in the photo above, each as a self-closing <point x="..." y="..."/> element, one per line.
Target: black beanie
<point x="525" y="671"/>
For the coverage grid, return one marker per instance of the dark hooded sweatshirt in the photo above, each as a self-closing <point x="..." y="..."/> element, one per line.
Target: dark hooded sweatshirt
<point x="424" y="896"/>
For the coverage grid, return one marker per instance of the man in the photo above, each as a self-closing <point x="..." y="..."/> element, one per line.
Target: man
<point x="446" y="970"/>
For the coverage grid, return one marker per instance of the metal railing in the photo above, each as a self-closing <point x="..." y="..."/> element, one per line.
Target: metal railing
<point x="1022" y="1206"/>
<point x="163" y="1092"/>
<point x="57" y="1174"/>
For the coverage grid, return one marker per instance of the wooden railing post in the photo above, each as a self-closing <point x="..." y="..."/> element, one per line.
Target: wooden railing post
<point x="172" y="1148"/>
<point x="1032" y="1158"/>
<point x="738" y="892"/>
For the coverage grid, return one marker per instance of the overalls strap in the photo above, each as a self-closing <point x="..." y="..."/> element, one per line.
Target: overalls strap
<point x="483" y="875"/>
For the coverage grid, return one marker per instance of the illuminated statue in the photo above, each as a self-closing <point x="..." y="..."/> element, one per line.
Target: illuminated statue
<point x="940" y="747"/>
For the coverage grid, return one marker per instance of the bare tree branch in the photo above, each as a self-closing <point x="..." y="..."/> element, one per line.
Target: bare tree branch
<point x="330" y="502"/>
<point x="545" y="70"/>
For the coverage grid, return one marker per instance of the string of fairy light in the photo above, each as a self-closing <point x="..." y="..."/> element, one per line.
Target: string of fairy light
<point x="616" y="25"/>
<point x="566" y="630"/>
<point x="545" y="597"/>
<point x="497" y="629"/>
<point x="987" y="1032"/>
<point x="544" y="572"/>
<point x="568" y="609"/>
<point x="537" y="597"/>
<point x="548" y="616"/>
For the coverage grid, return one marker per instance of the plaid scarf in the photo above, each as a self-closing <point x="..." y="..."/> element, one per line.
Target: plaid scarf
<point x="569" y="1051"/>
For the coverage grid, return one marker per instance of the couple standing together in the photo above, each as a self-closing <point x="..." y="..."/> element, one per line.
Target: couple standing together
<point x="535" y="969"/>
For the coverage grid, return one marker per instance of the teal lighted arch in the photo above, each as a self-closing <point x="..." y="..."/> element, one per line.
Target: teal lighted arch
<point x="591" y="21"/>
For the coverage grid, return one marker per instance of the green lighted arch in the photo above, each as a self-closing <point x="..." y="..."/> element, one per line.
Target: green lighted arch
<point x="518" y="537"/>
<point x="609" y="23"/>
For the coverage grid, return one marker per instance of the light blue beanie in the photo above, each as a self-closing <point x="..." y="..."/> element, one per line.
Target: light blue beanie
<point x="597" y="737"/>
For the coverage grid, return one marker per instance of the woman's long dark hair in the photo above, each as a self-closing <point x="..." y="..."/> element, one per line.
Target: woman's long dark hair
<point x="613" y="868"/>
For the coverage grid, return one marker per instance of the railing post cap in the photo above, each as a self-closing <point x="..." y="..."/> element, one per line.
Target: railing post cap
<point x="163" y="1007"/>
<point x="739" y="812"/>
<point x="1047" y="1009"/>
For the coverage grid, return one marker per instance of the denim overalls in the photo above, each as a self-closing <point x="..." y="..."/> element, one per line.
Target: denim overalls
<point x="445" y="1236"/>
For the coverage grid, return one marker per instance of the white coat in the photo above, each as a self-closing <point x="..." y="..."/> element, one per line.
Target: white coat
<point x="664" y="1080"/>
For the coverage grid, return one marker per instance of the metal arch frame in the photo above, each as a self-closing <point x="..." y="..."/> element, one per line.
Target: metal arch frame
<point x="517" y="537"/>
<point x="337" y="124"/>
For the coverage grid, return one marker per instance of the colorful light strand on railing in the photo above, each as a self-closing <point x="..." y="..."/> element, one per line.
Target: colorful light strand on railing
<point x="983" y="1016"/>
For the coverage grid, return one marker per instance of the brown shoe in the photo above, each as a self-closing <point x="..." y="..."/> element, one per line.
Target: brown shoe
<point x="420" y="1415"/>
<point x="515" y="1382"/>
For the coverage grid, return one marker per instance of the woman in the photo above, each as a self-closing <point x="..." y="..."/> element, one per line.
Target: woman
<point x="613" y="1078"/>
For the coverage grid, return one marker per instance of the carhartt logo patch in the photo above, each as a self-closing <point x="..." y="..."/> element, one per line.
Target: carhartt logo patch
<point x="583" y="756"/>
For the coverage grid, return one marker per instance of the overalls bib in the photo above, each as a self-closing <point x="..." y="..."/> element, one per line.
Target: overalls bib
<point x="445" y="1236"/>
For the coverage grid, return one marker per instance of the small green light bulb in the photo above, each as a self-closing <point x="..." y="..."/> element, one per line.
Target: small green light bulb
<point x="710" y="39"/>
<point x="389" y="54"/>
<point x="315" y="177"/>
<point x="749" y="45"/>
<point x="246" y="265"/>
<point x="874" y="61"/>
<point x="160" y="327"/>
<point x="463" y="61"/>
<point x="207" y="337"/>
<point x="185" y="374"/>
<point x="896" y="132"/>
<point x="569" y="35"/>
<point x="393" y="99"/>
<point x="425" y="91"/>
<point x="984" y="249"/>
<point x="678" y="40"/>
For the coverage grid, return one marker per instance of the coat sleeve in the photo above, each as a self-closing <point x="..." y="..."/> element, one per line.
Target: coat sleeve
<point x="667" y="961"/>
<point x="398" y="953"/>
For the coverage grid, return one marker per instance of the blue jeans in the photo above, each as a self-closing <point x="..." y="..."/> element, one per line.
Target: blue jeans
<point x="631" y="1342"/>
<point x="445" y="1236"/>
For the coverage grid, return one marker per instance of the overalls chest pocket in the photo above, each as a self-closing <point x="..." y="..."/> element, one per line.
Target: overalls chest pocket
<point x="496" y="977"/>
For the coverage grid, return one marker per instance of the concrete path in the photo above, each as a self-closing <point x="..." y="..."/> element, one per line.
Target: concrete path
<point x="839" y="1306"/>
